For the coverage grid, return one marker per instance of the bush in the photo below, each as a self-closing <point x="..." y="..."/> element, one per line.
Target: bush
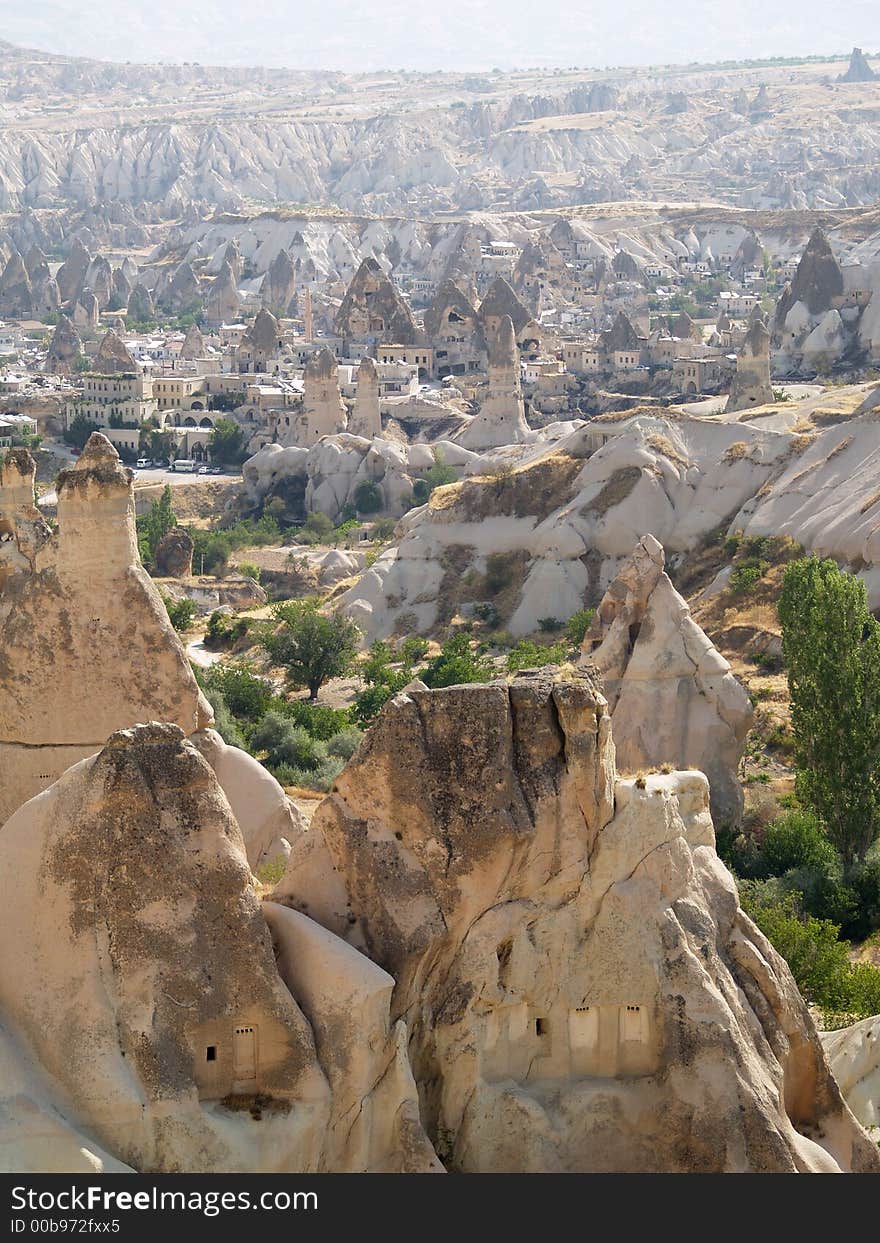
<point x="316" y="719"/>
<point x="285" y="742"/>
<point x="548" y="624"/>
<point x="224" y="722"/>
<point x="249" y="570"/>
<point x="317" y="530"/>
<point x="247" y="696"/>
<point x="320" y="778"/>
<point x="818" y="959"/>
<point x="499" y="572"/>
<point x="486" y="612"/>
<point x="577" y="626"/>
<point x="367" y="497"/>
<point x="457" y="665"/>
<point x="345" y="743"/>
<point x="413" y="649"/>
<point x="383" y="529"/>
<point x="528" y="655"/>
<point x="370" y="701"/>
<point x="180" y="612"/>
<point x="746" y="574"/>
<point x="796" y="840"/>
<point x="224" y="631"/>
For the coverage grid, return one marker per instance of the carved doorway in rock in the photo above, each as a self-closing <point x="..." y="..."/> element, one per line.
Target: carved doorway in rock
<point x="244" y="1054"/>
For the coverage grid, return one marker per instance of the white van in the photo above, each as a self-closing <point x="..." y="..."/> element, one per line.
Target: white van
<point x="143" y="462"/>
<point x="184" y="464"/>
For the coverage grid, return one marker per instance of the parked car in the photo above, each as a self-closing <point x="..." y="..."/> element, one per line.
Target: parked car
<point x="185" y="464"/>
<point x="143" y="462"/>
<point x="215" y="470"/>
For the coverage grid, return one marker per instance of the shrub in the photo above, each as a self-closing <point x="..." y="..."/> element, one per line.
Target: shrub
<point x="577" y="626"/>
<point x="499" y="572"/>
<point x="316" y="719"/>
<point x="486" y="612"/>
<point x="319" y="778"/>
<point x="383" y="529"/>
<point x="528" y="655"/>
<point x="249" y="570"/>
<point x="224" y="722"/>
<point x="247" y="696"/>
<point x="548" y="624"/>
<point x="345" y="743"/>
<point x="413" y="649"/>
<point x="318" y="529"/>
<point x="224" y="631"/>
<point x="367" y="497"/>
<point x="818" y="959"/>
<point x="457" y="664"/>
<point x="746" y="574"/>
<point x="795" y="840"/>
<point x="180" y="612"/>
<point x="285" y="742"/>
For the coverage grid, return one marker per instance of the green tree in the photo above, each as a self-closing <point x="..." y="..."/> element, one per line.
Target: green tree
<point x="831" y="646"/>
<point x="367" y="497"/>
<point x="158" y="521"/>
<point x="311" y="646"/>
<point x="226" y="443"/>
<point x="79" y="431"/>
<point x="180" y="612"/>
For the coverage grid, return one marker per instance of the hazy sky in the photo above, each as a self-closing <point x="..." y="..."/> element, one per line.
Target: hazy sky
<point x="459" y="34"/>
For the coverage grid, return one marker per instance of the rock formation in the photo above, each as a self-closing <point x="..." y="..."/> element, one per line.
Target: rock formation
<point x="174" y="554"/>
<point x="366" y="419"/>
<point x="372" y="309"/>
<point x="16" y="296"/>
<point x="86" y="313"/>
<point x="113" y="356"/>
<point x="279" y="284"/>
<point x="182" y="293"/>
<point x="854" y="1057"/>
<point x="751" y="383"/>
<point x="670" y="692"/>
<point x="65" y="348"/>
<point x="193" y="344"/>
<point x="582" y="991"/>
<point x="454" y="330"/>
<point x="72" y="273"/>
<point x="323" y="409"/>
<point x="859" y="70"/>
<point x="120" y="290"/>
<point x="72" y="606"/>
<point x="817" y="282"/>
<point x="499" y="302"/>
<point x="137" y="970"/>
<point x="141" y="307"/>
<point x="501" y="419"/>
<point x="222" y="303"/>
<point x="259" y="346"/>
